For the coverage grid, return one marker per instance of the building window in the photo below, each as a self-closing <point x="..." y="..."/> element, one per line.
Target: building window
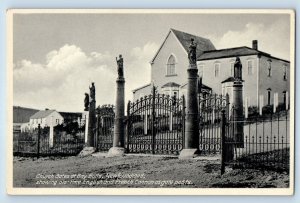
<point x="285" y="72"/>
<point x="250" y="67"/>
<point x="269" y="67"/>
<point x="269" y="96"/>
<point x="171" y="66"/>
<point x="217" y="70"/>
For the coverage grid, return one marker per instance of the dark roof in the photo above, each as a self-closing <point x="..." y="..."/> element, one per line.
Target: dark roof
<point x="42" y="114"/>
<point x="204" y="87"/>
<point x="170" y="84"/>
<point x="230" y="79"/>
<point x="231" y="52"/>
<point x="70" y="115"/>
<point x="22" y="114"/>
<point x="203" y="44"/>
<point x="184" y="38"/>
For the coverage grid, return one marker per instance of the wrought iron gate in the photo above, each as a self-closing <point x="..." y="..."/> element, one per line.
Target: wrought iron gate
<point x="155" y="124"/>
<point x="210" y="122"/>
<point x="104" y="127"/>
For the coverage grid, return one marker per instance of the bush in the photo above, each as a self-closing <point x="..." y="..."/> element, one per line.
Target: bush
<point x="253" y="111"/>
<point x="268" y="109"/>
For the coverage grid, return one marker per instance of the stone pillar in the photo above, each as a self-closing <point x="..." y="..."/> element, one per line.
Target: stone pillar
<point x="91" y="124"/>
<point x="51" y="140"/>
<point x="191" y="140"/>
<point x="246" y="108"/>
<point x="237" y="103"/>
<point x="86" y="115"/>
<point x="119" y="127"/>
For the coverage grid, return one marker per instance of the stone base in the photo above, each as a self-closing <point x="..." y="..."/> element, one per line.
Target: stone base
<point x="116" y="151"/>
<point x="188" y="153"/>
<point x="87" y="151"/>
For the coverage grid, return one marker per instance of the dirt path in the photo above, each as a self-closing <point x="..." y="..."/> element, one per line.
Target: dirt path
<point x="137" y="171"/>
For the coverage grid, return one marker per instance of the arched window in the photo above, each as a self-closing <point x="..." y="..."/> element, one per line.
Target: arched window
<point x="171" y="65"/>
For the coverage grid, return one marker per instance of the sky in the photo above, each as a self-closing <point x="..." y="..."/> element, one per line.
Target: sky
<point x="57" y="56"/>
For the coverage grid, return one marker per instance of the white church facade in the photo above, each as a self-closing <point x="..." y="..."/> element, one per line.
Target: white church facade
<point x="266" y="78"/>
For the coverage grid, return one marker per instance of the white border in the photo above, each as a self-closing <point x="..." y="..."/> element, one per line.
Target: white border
<point x="145" y="191"/>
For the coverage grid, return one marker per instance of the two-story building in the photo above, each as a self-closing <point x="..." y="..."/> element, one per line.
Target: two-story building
<point x="265" y="76"/>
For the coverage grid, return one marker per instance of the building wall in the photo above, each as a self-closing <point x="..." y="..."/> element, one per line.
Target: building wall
<point x="250" y="80"/>
<point x="159" y="67"/>
<point x="275" y="82"/>
<point x="44" y="122"/>
<point x="142" y="92"/>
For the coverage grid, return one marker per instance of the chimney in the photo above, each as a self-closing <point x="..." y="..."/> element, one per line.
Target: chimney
<point x="254" y="44"/>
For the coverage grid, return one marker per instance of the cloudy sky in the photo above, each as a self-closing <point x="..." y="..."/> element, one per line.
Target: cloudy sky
<point x="57" y="56"/>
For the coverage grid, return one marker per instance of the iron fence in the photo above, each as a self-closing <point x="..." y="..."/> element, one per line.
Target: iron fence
<point x="38" y="143"/>
<point x="265" y="142"/>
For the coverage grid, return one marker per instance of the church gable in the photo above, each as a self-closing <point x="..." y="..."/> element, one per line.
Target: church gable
<point x="184" y="40"/>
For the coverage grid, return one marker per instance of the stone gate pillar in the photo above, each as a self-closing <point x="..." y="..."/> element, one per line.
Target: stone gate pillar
<point x="119" y="127"/>
<point x="238" y="116"/>
<point x="91" y="118"/>
<point x="191" y="141"/>
<point x="237" y="104"/>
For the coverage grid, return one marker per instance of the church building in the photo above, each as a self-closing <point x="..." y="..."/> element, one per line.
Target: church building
<point x="265" y="77"/>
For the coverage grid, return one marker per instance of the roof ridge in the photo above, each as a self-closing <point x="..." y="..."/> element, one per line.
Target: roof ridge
<point x="227" y="49"/>
<point x="172" y="29"/>
<point x="42" y="113"/>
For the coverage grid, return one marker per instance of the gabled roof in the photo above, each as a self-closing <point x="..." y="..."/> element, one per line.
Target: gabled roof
<point x="234" y="52"/>
<point x="184" y="38"/>
<point x="203" y="87"/>
<point x="231" y="52"/>
<point x="42" y="114"/>
<point x="170" y="84"/>
<point x="203" y="44"/>
<point x="230" y="79"/>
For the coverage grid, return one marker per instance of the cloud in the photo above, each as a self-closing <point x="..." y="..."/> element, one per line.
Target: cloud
<point x="138" y="69"/>
<point x="272" y="38"/>
<point x="60" y="83"/>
